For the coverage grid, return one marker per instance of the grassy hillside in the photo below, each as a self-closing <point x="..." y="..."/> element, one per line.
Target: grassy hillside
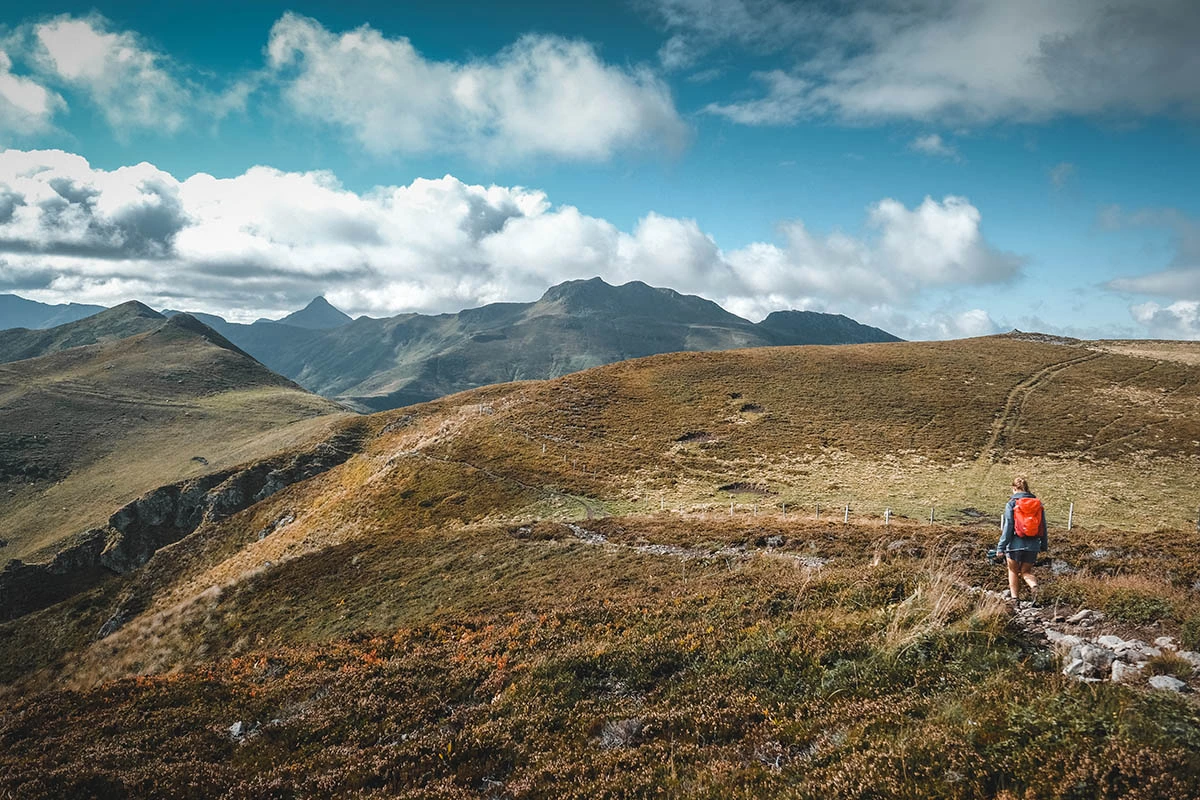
<point x="115" y="323"/>
<point x="87" y="429"/>
<point x="487" y="601"/>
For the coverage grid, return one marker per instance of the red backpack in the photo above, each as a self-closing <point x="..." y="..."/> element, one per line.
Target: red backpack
<point x="1027" y="517"/>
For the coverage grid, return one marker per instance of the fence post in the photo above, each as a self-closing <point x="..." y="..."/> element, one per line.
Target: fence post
<point x="846" y="518"/>
<point x="887" y="516"/>
<point x="1070" y="515"/>
<point x="931" y="515"/>
<point x="756" y="509"/>
<point x="818" y="511"/>
<point x="731" y="508"/>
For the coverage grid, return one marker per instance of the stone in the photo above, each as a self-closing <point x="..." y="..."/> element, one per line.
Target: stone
<point x="1125" y="673"/>
<point x="1100" y="552"/>
<point x="1167" y="683"/>
<point x="1080" y="670"/>
<point x="1080" y="616"/>
<point x="1111" y="642"/>
<point x="774" y="541"/>
<point x="1060" y="567"/>
<point x="1099" y="657"/>
<point x="237" y="730"/>
<point x="1166" y="643"/>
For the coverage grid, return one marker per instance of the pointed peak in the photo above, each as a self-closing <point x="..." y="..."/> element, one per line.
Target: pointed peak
<point x="319" y="314"/>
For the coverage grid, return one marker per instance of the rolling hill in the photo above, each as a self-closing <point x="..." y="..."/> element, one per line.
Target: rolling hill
<point x="618" y="582"/>
<point x="121" y="403"/>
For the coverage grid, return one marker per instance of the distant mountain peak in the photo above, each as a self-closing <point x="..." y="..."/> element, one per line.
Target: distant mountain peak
<point x="319" y="315"/>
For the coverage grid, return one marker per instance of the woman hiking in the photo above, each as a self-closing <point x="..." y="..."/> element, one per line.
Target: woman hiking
<point x="1022" y="537"/>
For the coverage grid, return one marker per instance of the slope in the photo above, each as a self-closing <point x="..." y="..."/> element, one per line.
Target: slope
<point x="439" y="616"/>
<point x="118" y="322"/>
<point x="88" y="428"/>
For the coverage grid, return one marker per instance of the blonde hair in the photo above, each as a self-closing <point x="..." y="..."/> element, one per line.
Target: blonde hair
<point x="1021" y="484"/>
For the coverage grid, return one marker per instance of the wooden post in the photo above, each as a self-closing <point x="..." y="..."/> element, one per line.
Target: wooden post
<point x="756" y="509"/>
<point x="543" y="448"/>
<point x="818" y="511"/>
<point x="846" y="518"/>
<point x="887" y="516"/>
<point x="661" y="503"/>
<point x="785" y="509"/>
<point x="731" y="508"/>
<point x="1070" y="516"/>
<point x="931" y="515"/>
<point x="1198" y="519"/>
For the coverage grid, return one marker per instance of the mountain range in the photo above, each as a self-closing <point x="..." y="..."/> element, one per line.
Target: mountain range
<point x="376" y="364"/>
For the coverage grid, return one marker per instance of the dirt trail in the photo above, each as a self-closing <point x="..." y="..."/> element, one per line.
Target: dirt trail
<point x="1005" y="425"/>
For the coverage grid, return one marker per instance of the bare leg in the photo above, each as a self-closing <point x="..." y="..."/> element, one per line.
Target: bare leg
<point x="1014" y="577"/>
<point x="1027" y="574"/>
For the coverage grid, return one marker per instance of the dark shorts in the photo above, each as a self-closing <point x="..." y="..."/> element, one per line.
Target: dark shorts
<point x="1022" y="556"/>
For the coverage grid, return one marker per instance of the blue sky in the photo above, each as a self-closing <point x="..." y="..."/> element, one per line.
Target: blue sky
<point x="940" y="168"/>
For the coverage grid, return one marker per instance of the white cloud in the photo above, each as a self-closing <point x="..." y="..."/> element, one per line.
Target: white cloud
<point x="25" y="105"/>
<point x="132" y="84"/>
<point x="264" y="242"/>
<point x="785" y="102"/>
<point x="961" y="60"/>
<point x="1180" y="320"/>
<point x="1181" y="278"/>
<point x="543" y="95"/>
<point x="932" y="145"/>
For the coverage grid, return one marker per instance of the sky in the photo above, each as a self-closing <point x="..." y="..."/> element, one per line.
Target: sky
<point x="939" y="168"/>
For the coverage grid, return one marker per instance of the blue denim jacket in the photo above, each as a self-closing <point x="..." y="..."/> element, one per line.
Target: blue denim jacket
<point x="1009" y="541"/>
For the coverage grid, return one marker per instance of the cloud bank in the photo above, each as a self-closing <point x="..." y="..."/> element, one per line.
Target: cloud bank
<point x="266" y="241"/>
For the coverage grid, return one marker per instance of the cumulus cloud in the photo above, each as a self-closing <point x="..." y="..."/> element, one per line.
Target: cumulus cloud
<point x="132" y="85"/>
<point x="25" y="105"/>
<point x="1179" y="320"/>
<point x="264" y="242"/>
<point x="961" y="60"/>
<point x="542" y="95"/>
<point x="933" y="145"/>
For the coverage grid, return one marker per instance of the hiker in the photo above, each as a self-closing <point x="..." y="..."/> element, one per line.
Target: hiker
<point x="1022" y="537"/>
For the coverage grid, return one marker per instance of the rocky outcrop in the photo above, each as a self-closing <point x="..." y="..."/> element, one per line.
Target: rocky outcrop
<point x="159" y="518"/>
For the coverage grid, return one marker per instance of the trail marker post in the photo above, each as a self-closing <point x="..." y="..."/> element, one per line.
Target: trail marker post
<point x="1070" y="515"/>
<point x="731" y="509"/>
<point x="818" y="516"/>
<point x="931" y="515"/>
<point x="846" y="518"/>
<point x="887" y="516"/>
